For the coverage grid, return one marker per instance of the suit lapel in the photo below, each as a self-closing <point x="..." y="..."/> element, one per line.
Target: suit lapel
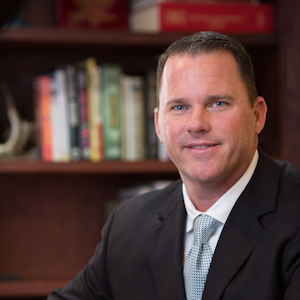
<point x="234" y="247"/>
<point x="165" y="248"/>
<point x="243" y="229"/>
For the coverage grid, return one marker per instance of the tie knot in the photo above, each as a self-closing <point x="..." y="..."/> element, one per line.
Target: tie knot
<point x="204" y="225"/>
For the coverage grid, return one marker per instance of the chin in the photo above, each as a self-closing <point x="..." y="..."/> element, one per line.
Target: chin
<point x="201" y="177"/>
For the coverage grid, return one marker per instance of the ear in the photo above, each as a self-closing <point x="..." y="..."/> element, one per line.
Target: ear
<point x="260" y="113"/>
<point x="156" y="122"/>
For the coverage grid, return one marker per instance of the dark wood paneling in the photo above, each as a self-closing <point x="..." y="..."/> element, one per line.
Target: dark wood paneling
<point x="289" y="27"/>
<point x="51" y="224"/>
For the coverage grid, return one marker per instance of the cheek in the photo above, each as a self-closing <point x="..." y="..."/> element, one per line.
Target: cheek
<point x="170" y="130"/>
<point x="239" y="129"/>
<point x="234" y="128"/>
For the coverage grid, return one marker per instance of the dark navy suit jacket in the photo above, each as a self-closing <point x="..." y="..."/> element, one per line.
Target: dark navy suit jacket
<point x="257" y="256"/>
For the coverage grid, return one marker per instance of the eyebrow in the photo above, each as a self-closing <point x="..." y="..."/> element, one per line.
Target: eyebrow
<point x="175" y="101"/>
<point x="219" y="97"/>
<point x="208" y="98"/>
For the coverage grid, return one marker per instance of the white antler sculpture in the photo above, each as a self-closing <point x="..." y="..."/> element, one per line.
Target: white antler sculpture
<point x="20" y="130"/>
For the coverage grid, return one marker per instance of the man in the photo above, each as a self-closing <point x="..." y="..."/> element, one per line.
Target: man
<point x="208" y="117"/>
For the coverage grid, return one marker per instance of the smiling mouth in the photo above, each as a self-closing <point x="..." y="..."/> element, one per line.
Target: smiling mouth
<point x="201" y="147"/>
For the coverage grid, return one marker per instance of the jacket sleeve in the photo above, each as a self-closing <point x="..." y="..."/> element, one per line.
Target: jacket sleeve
<point x="91" y="282"/>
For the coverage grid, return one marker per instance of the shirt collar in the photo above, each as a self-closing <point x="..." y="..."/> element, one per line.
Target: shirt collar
<point x="221" y="209"/>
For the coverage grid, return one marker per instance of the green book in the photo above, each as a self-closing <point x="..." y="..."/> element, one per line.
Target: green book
<point x="111" y="87"/>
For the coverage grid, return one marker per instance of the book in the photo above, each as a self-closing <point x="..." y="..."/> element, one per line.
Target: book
<point x="94" y="109"/>
<point x="96" y="14"/>
<point x="111" y="89"/>
<point x="61" y="115"/>
<point x="133" y="116"/>
<point x="73" y="112"/>
<point x="55" y="122"/>
<point x="43" y="86"/>
<point x="151" y="103"/>
<point x="92" y="116"/>
<point x="141" y="4"/>
<point x="190" y="16"/>
<point x="84" y="132"/>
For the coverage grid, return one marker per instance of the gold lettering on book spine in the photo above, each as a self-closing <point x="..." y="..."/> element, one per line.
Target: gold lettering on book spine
<point x="114" y="108"/>
<point x="94" y="12"/>
<point x="175" y="17"/>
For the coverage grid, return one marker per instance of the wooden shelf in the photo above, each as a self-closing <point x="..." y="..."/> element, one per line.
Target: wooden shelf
<point x="81" y="167"/>
<point x="54" y="36"/>
<point x="29" y="288"/>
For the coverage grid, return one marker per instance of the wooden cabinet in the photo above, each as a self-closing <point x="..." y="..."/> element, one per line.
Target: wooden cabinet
<point x="51" y="215"/>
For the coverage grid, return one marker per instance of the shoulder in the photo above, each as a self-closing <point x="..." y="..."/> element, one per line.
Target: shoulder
<point x="274" y="191"/>
<point x="152" y="200"/>
<point x="279" y="173"/>
<point x="145" y="208"/>
<point x="289" y="187"/>
<point x="289" y="181"/>
<point x="288" y="171"/>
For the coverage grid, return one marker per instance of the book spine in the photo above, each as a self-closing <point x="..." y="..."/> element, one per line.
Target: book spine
<point x="55" y="121"/>
<point x="128" y="128"/>
<point x="84" y="133"/>
<point x="137" y="86"/>
<point x="151" y="103"/>
<point x="73" y="112"/>
<point x="142" y="4"/>
<point x="221" y="17"/>
<point x="44" y="113"/>
<point x="134" y="118"/>
<point x="99" y="108"/>
<point x="111" y="85"/>
<point x="95" y="120"/>
<point x="92" y="14"/>
<point x="124" y="106"/>
<point x="63" y="117"/>
<point x="37" y="118"/>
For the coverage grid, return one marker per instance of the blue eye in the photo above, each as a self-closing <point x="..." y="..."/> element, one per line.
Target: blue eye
<point x="179" y="107"/>
<point x="219" y="103"/>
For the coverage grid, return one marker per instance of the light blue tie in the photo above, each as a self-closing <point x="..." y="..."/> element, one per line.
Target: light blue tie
<point x="199" y="257"/>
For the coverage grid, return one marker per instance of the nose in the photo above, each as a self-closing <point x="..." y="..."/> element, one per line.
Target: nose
<point x="198" y="121"/>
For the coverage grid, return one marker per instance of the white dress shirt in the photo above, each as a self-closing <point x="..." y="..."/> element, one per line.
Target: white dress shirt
<point x="219" y="210"/>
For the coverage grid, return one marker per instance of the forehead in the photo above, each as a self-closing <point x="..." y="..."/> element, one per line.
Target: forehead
<point x="206" y="67"/>
<point x="202" y="61"/>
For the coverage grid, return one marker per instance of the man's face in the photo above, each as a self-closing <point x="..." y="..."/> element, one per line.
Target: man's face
<point x="205" y="119"/>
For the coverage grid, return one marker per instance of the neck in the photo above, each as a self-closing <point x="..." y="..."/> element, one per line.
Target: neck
<point x="203" y="197"/>
<point x="205" y="194"/>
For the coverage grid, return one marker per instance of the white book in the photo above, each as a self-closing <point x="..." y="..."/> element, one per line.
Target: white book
<point x="55" y="128"/>
<point x="133" y="114"/>
<point x="61" y="116"/>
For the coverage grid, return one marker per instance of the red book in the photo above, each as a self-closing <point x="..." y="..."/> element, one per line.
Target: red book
<point x="220" y="17"/>
<point x="44" y="106"/>
<point x="97" y="14"/>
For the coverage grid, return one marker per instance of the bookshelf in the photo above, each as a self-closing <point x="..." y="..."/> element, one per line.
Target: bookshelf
<point x="43" y="36"/>
<point x="51" y="214"/>
<point x="82" y="167"/>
